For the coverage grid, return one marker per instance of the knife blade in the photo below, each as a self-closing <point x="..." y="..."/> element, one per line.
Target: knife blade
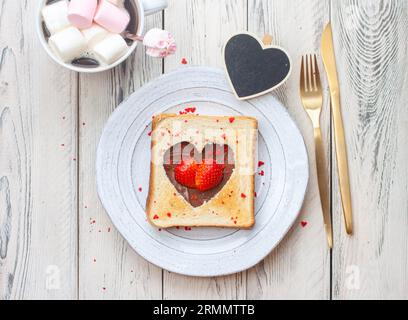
<point x="329" y="62"/>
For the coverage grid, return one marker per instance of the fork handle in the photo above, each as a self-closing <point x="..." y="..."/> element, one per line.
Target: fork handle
<point x="323" y="185"/>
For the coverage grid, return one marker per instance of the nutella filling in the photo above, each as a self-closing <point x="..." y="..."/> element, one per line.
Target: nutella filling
<point x="222" y="154"/>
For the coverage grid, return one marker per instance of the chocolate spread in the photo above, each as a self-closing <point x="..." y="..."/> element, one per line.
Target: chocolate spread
<point x="223" y="154"/>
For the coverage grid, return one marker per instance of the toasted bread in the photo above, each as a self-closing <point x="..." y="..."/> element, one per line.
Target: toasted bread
<point x="233" y="205"/>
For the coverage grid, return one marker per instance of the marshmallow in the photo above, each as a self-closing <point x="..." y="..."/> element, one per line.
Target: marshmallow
<point x="119" y="3"/>
<point x="111" y="17"/>
<point x="81" y="12"/>
<point x="110" y="49"/>
<point x="68" y="44"/>
<point x="55" y="16"/>
<point x="94" y="34"/>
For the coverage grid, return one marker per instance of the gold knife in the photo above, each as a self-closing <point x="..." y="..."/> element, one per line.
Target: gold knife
<point x="329" y="62"/>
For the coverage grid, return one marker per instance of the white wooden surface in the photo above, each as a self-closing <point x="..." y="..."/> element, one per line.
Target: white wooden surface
<point x="56" y="241"/>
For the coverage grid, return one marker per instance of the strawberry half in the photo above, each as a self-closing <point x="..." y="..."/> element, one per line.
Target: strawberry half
<point x="209" y="175"/>
<point x="185" y="172"/>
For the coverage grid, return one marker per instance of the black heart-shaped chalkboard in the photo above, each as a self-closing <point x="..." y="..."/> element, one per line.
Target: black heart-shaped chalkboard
<point x="253" y="68"/>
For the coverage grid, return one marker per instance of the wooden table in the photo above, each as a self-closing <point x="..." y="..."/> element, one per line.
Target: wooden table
<point x="56" y="240"/>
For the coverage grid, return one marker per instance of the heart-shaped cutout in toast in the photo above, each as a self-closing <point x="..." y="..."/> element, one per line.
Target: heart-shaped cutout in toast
<point x="254" y="68"/>
<point x="222" y="154"/>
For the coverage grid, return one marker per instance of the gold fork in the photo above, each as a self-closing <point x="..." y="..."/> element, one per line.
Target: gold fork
<point x="312" y="99"/>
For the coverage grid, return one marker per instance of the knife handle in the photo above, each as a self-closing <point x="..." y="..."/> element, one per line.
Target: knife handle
<point x="342" y="163"/>
<point x="323" y="187"/>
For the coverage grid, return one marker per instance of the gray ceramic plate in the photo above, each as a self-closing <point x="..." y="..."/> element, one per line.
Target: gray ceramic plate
<point x="123" y="164"/>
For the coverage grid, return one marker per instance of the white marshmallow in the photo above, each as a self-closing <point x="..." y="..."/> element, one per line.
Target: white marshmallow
<point x="94" y="34"/>
<point x="119" y="3"/>
<point x="56" y="16"/>
<point x="68" y="44"/>
<point x="110" y="49"/>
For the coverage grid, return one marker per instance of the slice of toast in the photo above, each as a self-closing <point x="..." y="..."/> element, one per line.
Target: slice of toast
<point x="233" y="205"/>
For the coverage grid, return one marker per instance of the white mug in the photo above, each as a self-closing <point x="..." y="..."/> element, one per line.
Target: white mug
<point x="143" y="8"/>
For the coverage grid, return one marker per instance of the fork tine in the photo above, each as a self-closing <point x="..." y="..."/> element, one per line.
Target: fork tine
<point x="307" y="73"/>
<point x="316" y="68"/>
<point x="302" y="75"/>
<point x="312" y="74"/>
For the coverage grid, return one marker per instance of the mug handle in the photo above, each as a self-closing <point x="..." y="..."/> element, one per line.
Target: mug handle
<point x="153" y="6"/>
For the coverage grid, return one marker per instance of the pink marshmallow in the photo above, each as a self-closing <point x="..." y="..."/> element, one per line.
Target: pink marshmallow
<point x="81" y="13"/>
<point x="111" y="17"/>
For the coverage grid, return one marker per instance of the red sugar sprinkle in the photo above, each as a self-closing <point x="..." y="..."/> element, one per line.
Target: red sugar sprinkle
<point x="235" y="222"/>
<point x="184" y="61"/>
<point x="104" y="288"/>
<point x="109" y="229"/>
<point x="149" y="133"/>
<point x="261" y="173"/>
<point x="224" y="136"/>
<point x="155" y="217"/>
<point x="169" y="214"/>
<point x="303" y="223"/>
<point x="255" y="195"/>
<point x="177" y="227"/>
<point x="140" y="189"/>
<point x="159" y="229"/>
<point x="243" y="195"/>
<point x="260" y="163"/>
<point x="231" y="120"/>
<point x="187" y="228"/>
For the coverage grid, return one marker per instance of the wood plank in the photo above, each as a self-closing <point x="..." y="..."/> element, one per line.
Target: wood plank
<point x="201" y="28"/>
<point x="108" y="266"/>
<point x="299" y="267"/>
<point x="371" y="42"/>
<point x="38" y="104"/>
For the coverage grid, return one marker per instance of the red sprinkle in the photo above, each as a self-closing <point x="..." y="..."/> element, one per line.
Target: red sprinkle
<point x="169" y="214"/>
<point x="187" y="228"/>
<point x="260" y="163"/>
<point x="243" y="195"/>
<point x="149" y="133"/>
<point x="140" y="189"/>
<point x="231" y="120"/>
<point x="255" y="194"/>
<point x="224" y="136"/>
<point x="103" y="288"/>
<point x="303" y="223"/>
<point x="261" y="173"/>
<point x="109" y="229"/>
<point x="184" y="61"/>
<point x="155" y="217"/>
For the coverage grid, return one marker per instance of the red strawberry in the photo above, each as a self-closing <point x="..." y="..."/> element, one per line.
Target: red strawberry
<point x="185" y="173"/>
<point x="209" y="175"/>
